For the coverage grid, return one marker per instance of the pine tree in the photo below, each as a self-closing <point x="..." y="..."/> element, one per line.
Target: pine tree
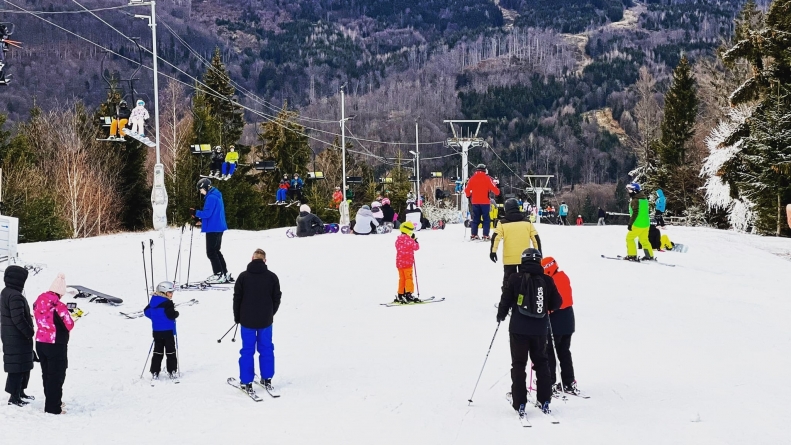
<point x="219" y="101"/>
<point x="678" y="124"/>
<point x="621" y="197"/>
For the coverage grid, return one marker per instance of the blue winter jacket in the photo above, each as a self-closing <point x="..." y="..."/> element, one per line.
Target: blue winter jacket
<point x="564" y="210"/>
<point x="660" y="201"/>
<point x="155" y="311"/>
<point x="213" y="214"/>
<point x="297" y="183"/>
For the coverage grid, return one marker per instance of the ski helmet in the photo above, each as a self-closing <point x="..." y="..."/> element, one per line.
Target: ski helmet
<point x="203" y="184"/>
<point x="304" y="208"/>
<point x="165" y="287"/>
<point x="407" y="228"/>
<point x="633" y="187"/>
<point x="122" y="103"/>
<point x="550" y="265"/>
<point x="531" y="255"/>
<point x="140" y="103"/>
<point x="481" y="167"/>
<point x="511" y="205"/>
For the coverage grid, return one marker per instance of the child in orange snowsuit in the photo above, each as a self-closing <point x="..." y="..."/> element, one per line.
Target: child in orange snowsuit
<point x="406" y="245"/>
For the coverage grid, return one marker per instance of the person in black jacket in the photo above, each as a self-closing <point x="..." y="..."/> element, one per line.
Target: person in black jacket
<point x="529" y="288"/>
<point x="308" y="224"/>
<point x="16" y="333"/>
<point x="217" y="158"/>
<point x="256" y="298"/>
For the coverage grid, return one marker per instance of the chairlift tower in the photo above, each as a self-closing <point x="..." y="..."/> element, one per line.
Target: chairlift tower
<point x="540" y="186"/>
<point x="459" y="140"/>
<point x="159" y="194"/>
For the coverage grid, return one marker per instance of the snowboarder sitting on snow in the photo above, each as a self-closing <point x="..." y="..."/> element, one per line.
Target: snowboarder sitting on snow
<point x="296" y="188"/>
<point x="308" y="224"/>
<point x="517" y="234"/>
<point x="282" y="190"/>
<point x="658" y="240"/>
<point x="530" y="295"/>
<point x="337" y="197"/>
<point x="138" y="118"/>
<point x="54" y="323"/>
<point x="388" y="214"/>
<point x="229" y="166"/>
<point x="414" y="215"/>
<point x="16" y="334"/>
<point x="376" y="211"/>
<point x="364" y="223"/>
<point x="256" y="299"/>
<point x="639" y="223"/>
<point x="217" y="159"/>
<point x="562" y="321"/>
<point x="406" y="245"/>
<point x="163" y="315"/>
<point x="117" y="126"/>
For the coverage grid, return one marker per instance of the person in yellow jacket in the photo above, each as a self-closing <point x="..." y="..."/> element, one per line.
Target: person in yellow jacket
<point x="517" y="234"/>
<point x="229" y="166"/>
<point x="639" y="224"/>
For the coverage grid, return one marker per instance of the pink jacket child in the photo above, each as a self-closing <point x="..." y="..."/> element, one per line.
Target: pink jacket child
<point x="45" y="309"/>
<point x="405" y="251"/>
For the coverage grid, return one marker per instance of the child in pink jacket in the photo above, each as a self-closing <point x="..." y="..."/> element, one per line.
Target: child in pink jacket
<point x="54" y="323"/>
<point x="406" y="245"/>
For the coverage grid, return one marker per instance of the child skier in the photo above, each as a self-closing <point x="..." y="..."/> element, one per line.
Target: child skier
<point x="163" y="315"/>
<point x="337" y="197"/>
<point x="138" y="118"/>
<point x="230" y="163"/>
<point x="282" y="191"/>
<point x="562" y="321"/>
<point x="639" y="224"/>
<point x="216" y="162"/>
<point x="406" y="245"/>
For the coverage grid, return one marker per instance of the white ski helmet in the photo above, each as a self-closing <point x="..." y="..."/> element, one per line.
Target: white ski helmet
<point x="165" y="287"/>
<point x="140" y="103"/>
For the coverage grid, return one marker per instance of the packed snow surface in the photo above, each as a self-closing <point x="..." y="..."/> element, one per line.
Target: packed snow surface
<point x="696" y="354"/>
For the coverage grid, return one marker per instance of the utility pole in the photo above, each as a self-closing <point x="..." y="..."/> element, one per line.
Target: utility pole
<point x="459" y="141"/>
<point x="343" y="139"/>
<point x="417" y="163"/>
<point x="159" y="194"/>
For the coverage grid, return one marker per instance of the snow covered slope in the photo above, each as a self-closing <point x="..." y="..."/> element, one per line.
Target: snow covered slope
<point x="697" y="354"/>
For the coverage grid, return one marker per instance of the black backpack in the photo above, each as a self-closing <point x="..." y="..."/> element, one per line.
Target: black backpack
<point x="533" y="294"/>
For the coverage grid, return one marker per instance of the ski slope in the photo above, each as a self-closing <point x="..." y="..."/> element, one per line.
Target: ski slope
<point x="695" y="354"/>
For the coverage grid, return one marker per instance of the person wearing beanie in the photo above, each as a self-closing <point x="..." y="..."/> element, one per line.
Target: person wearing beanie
<point x="477" y="191"/>
<point x="562" y="322"/>
<point x="530" y="296"/>
<point x="364" y="223"/>
<point x="163" y="315"/>
<point x="517" y="233"/>
<point x="388" y="214"/>
<point x="406" y="245"/>
<point x="53" y="322"/>
<point x="376" y="212"/>
<point x="308" y="224"/>
<point x="16" y="334"/>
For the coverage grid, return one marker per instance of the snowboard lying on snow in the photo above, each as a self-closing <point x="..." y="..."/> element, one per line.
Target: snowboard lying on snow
<point x="94" y="296"/>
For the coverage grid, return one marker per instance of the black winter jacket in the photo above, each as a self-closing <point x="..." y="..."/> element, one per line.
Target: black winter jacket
<point x="256" y="296"/>
<point x="124" y="112"/>
<point x="16" y="323"/>
<point x="308" y="224"/>
<point x="522" y="324"/>
<point x="388" y="213"/>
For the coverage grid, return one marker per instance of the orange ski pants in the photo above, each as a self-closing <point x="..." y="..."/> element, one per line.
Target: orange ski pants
<point x="405" y="283"/>
<point x="116" y="127"/>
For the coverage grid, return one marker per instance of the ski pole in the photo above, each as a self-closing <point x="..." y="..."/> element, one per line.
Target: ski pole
<point x="164" y="251"/>
<point x="147" y="356"/>
<point x="417" y="283"/>
<point x="484" y="362"/>
<point x="226" y="333"/>
<point x="151" y="253"/>
<point x="189" y="259"/>
<point x="178" y="255"/>
<point x="234" y="332"/>
<point x="145" y="274"/>
<point x="178" y="360"/>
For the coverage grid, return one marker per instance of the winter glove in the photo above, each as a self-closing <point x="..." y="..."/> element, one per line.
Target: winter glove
<point x="629" y="227"/>
<point x="493" y="257"/>
<point x="192" y="212"/>
<point x="501" y="316"/>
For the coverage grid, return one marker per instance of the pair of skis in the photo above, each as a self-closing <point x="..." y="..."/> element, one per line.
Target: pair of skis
<point x="233" y="381"/>
<point x="621" y="258"/>
<point x="175" y="379"/>
<point x="138" y="314"/>
<point x="426" y="301"/>
<point x="523" y="414"/>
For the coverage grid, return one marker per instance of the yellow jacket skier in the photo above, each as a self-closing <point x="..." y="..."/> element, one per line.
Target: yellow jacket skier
<point x="517" y="234"/>
<point x="639" y="223"/>
<point x="229" y="166"/>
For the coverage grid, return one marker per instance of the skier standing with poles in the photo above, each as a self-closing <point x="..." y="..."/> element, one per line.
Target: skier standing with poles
<point x="163" y="315"/>
<point x="256" y="299"/>
<point x="530" y="295"/>
<point x="517" y="233"/>
<point x="477" y="191"/>
<point x="213" y="225"/>
<point x="563" y="324"/>
<point x="406" y="245"/>
<point x="639" y="224"/>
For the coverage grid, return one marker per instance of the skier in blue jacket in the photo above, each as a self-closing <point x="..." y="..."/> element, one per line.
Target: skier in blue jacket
<point x="213" y="225"/>
<point x="661" y="202"/>
<point x="163" y="314"/>
<point x="563" y="212"/>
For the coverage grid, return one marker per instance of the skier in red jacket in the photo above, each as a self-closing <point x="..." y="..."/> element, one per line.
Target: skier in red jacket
<point x="477" y="190"/>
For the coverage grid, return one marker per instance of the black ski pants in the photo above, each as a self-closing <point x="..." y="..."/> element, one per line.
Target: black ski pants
<point x="16" y="383"/>
<point x="563" y="348"/>
<point x="508" y="270"/>
<point x="660" y="218"/>
<point x="164" y="344"/>
<point x="213" y="245"/>
<point x="534" y="347"/>
<point x="53" y="372"/>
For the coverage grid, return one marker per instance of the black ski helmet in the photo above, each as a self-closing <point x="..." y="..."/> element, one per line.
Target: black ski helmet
<point x="122" y="103"/>
<point x="531" y="255"/>
<point x="511" y="205"/>
<point x="481" y="167"/>
<point x="203" y="184"/>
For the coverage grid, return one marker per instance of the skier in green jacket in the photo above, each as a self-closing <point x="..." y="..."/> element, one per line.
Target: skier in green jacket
<point x="639" y="223"/>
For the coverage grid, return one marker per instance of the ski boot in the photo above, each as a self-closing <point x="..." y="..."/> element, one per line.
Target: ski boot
<point x="17" y="401"/>
<point x="544" y="407"/>
<point x="218" y="278"/>
<point x="570" y="389"/>
<point x="400" y="299"/>
<point x="267" y="384"/>
<point x="24" y="396"/>
<point x="474" y="237"/>
<point x="229" y="278"/>
<point x="648" y="258"/>
<point x="410" y="298"/>
<point x="632" y="258"/>
<point x="248" y="388"/>
<point x="485" y="238"/>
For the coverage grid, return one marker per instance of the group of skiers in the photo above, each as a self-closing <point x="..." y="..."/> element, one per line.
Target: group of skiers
<point x="223" y="166"/>
<point x="290" y="189"/>
<point x="48" y="324"/>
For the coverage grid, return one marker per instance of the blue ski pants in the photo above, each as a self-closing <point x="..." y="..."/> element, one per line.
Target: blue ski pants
<point x="281" y="195"/>
<point x="480" y="211"/>
<point x="228" y="168"/>
<point x="253" y="339"/>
